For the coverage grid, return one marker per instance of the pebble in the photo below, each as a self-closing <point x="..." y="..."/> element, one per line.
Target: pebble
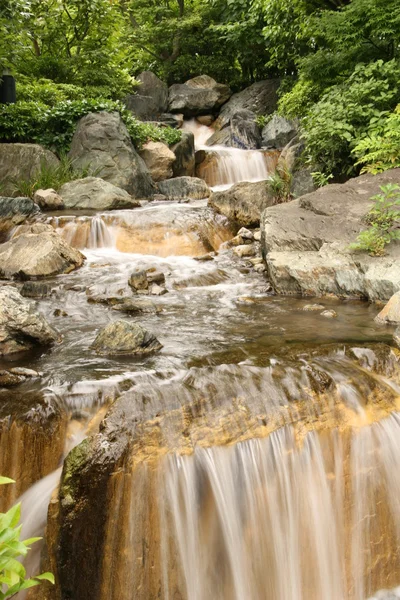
<point x="204" y="257"/>
<point x="157" y="290"/>
<point x="257" y="236"/>
<point x="154" y="276"/>
<point x="329" y="314"/>
<point x="246" y="234"/>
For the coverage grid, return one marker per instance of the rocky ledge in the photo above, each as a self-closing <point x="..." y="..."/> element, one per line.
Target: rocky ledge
<point x="306" y="243"/>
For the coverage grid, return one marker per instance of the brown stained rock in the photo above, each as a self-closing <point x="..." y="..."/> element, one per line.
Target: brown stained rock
<point x="125" y="338"/>
<point x="391" y="312"/>
<point x="48" y="199"/>
<point x="244" y="202"/>
<point x="159" y="160"/>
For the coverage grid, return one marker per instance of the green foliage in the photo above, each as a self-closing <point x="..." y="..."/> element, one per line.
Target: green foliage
<point x="379" y="150"/>
<point x="334" y="125"/>
<point x="12" y="548"/>
<point x="280" y="182"/>
<point x="383" y="220"/>
<point x="54" y="126"/>
<point x="48" y="92"/>
<point x="297" y="101"/>
<point x="320" y="179"/>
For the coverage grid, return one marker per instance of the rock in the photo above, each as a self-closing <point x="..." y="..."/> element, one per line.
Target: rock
<point x="245" y="133"/>
<point x="306" y="243"/>
<point x="157" y="290"/>
<point x="48" y="199"/>
<point x="278" y="132"/>
<point x="244" y="250"/>
<point x="41" y="254"/>
<point x="396" y="337"/>
<point x="184" y="187"/>
<point x="16" y="376"/>
<point x="243" y="202"/>
<point x="154" y="276"/>
<point x="130" y="305"/>
<point x="102" y="144"/>
<point x="204" y="258"/>
<point x="184" y="164"/>
<point x="313" y="307"/>
<point x="21" y="327"/>
<point x="13" y="212"/>
<point x="175" y="121"/>
<point x="261" y="98"/>
<point x="246" y="234"/>
<point x="138" y="281"/>
<point x="302" y="183"/>
<point x="257" y="235"/>
<point x="206" y="120"/>
<point x="199" y="96"/>
<point x="94" y="193"/>
<point x="35" y="289"/>
<point x="21" y="162"/>
<point x="329" y="314"/>
<point x="159" y="160"/>
<point x="123" y="337"/>
<point x="391" y="312"/>
<point x="150" y="100"/>
<point x="260" y="268"/>
<point x="221" y="137"/>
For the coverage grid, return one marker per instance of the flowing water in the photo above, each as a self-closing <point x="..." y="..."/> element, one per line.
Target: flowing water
<point x="286" y="483"/>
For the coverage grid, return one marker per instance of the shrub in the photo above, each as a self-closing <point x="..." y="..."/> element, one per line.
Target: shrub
<point x="12" y="573"/>
<point x="299" y="99"/>
<point x="383" y="220"/>
<point x="379" y="150"/>
<point x="280" y="182"/>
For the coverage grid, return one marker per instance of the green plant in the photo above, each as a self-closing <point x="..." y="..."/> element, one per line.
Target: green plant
<point x="48" y="176"/>
<point x="320" y="179"/>
<point x="379" y="150"/>
<point x="12" y="572"/>
<point x="383" y="220"/>
<point x="280" y="182"/>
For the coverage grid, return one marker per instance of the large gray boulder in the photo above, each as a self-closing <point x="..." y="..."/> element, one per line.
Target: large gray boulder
<point x="150" y="100"/>
<point x="302" y="183"/>
<point x="21" y="326"/>
<point x="184" y="187"/>
<point x="13" y="212"/>
<point x="184" y="164"/>
<point x="159" y="160"/>
<point x="102" y="144"/>
<point x="278" y="132"/>
<point x="22" y="162"/>
<point x="124" y="338"/>
<point x="221" y="137"/>
<point x="245" y="133"/>
<point x="244" y="202"/>
<point x="261" y="98"/>
<point x="95" y="194"/>
<point x="306" y="243"/>
<point x="39" y="252"/>
<point x="199" y="96"/>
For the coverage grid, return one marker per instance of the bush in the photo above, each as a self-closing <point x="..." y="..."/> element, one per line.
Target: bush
<point x="48" y="92"/>
<point x="379" y="150"/>
<point x="54" y="126"/>
<point x="12" y="573"/>
<point x="334" y="125"/>
<point x="383" y="220"/>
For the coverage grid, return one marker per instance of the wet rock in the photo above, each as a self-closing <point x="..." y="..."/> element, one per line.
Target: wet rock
<point x="123" y="337"/>
<point x="204" y="257"/>
<point x="37" y="254"/>
<point x="94" y="193"/>
<point x="257" y="235"/>
<point x="157" y="290"/>
<point x="154" y="276"/>
<point x="32" y="434"/>
<point x="16" y="375"/>
<point x="130" y="305"/>
<point x="261" y="98"/>
<point x="206" y="120"/>
<point x="245" y="250"/>
<point x="278" y="132"/>
<point x="243" y="202"/>
<point x="21" y="326"/>
<point x="260" y="268"/>
<point x="391" y="312"/>
<point x="22" y="162"/>
<point x="306" y="243"/>
<point x="198" y="96"/>
<point x="48" y="199"/>
<point x="184" y="187"/>
<point x="221" y="137"/>
<point x="184" y="164"/>
<point x="313" y="307"/>
<point x="396" y="336"/>
<point x="245" y="133"/>
<point x="302" y="183"/>
<point x="35" y="289"/>
<point x="159" y="160"/>
<point x="329" y="314"/>
<point x="102" y="144"/>
<point x="138" y="281"/>
<point x="13" y="212"/>
<point x="246" y="234"/>
<point x="151" y="98"/>
<point x="58" y="312"/>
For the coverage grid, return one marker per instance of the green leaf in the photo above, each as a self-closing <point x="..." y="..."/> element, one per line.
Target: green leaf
<point x="5" y="480"/>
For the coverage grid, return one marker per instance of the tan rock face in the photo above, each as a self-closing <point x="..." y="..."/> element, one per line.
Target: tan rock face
<point x="48" y="199"/>
<point x="94" y="193"/>
<point x="391" y="312"/>
<point x="159" y="160"/>
<point x="244" y="202"/>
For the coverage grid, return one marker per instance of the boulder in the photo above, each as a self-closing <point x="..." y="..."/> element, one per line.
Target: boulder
<point x="13" y="212"/>
<point x="21" y="326"/>
<point x="159" y="160"/>
<point x="150" y="100"/>
<point x="22" y="162"/>
<point x="102" y="144"/>
<point x="221" y="137"/>
<point x="261" y="98"/>
<point x="302" y="183"/>
<point x="95" y="194"/>
<point x="391" y="312"/>
<point x="35" y="289"/>
<point x="243" y="202"/>
<point x="306" y="243"/>
<point x="38" y="253"/>
<point x="278" y="132"/>
<point x="124" y="337"/>
<point x="184" y="164"/>
<point x="245" y="133"/>
<point x="199" y="96"/>
<point x="206" y="120"/>
<point x="48" y="199"/>
<point x="184" y="187"/>
<point x="138" y="281"/>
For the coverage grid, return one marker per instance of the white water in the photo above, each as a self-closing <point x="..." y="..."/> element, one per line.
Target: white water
<point x="232" y="165"/>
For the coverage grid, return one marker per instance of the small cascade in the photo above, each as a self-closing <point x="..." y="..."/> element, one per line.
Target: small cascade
<point x="222" y="166"/>
<point x="85" y="231"/>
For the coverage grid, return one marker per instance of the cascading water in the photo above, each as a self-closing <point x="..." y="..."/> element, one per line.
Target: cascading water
<point x="225" y="166"/>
